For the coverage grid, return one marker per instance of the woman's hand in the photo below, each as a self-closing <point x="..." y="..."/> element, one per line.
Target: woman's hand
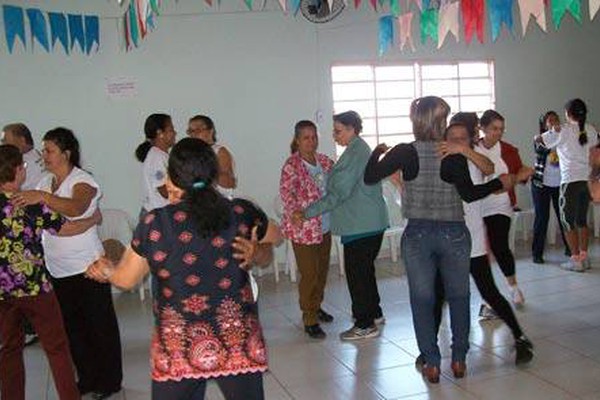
<point x="245" y="249"/>
<point x="27" y="198"/>
<point x="97" y="217"/>
<point x="508" y="181"/>
<point x="444" y="149"/>
<point x="298" y="218"/>
<point x="101" y="270"/>
<point x="524" y="174"/>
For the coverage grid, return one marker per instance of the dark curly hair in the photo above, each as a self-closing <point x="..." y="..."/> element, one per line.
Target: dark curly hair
<point x="65" y="140"/>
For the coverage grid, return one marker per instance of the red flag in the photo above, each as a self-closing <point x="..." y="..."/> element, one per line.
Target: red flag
<point x="374" y="4"/>
<point x="356" y="4"/>
<point x="473" y="17"/>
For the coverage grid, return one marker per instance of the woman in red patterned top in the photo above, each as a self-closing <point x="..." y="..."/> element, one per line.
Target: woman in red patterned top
<point x="206" y="319"/>
<point x="303" y="182"/>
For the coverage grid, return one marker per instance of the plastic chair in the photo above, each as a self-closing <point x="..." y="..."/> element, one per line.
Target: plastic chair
<point x="290" y="259"/>
<point x="520" y="220"/>
<point x="118" y="225"/>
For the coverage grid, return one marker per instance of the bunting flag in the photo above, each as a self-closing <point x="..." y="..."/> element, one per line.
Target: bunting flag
<point x="58" y="30"/>
<point x="473" y="17"/>
<point x="356" y="4"/>
<point x="248" y="4"/>
<point x="560" y="7"/>
<point x="386" y="34"/>
<point x="76" y="32"/>
<point x="143" y="12"/>
<point x="405" y="30"/>
<point x="395" y="7"/>
<point x="535" y="8"/>
<point x="92" y="33"/>
<point x="373" y="4"/>
<point x="429" y="25"/>
<point x="37" y="25"/>
<point x="448" y="22"/>
<point x="283" y="5"/>
<point x="594" y="6"/>
<point x="419" y="4"/>
<point x="132" y="24"/>
<point x="295" y="4"/>
<point x="154" y="5"/>
<point x="500" y="12"/>
<point x="14" y="25"/>
<point x="329" y="3"/>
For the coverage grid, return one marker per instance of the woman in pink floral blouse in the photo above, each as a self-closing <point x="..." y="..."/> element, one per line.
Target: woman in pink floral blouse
<point x="303" y="182"/>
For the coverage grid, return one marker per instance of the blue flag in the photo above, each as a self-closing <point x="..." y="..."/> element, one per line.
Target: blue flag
<point x="500" y="11"/>
<point x="92" y="32"/>
<point x="58" y="30"/>
<point x="39" y="31"/>
<point x="76" y="33"/>
<point x="386" y="33"/>
<point x="14" y="25"/>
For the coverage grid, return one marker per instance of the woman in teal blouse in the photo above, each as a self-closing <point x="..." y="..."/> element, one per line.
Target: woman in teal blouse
<point x="359" y="216"/>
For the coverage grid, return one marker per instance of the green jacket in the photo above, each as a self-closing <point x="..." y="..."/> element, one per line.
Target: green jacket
<point x="355" y="207"/>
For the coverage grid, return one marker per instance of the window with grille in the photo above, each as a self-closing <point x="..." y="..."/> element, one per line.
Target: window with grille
<point x="382" y="94"/>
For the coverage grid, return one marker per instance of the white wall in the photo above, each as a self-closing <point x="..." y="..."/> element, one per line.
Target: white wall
<point x="256" y="73"/>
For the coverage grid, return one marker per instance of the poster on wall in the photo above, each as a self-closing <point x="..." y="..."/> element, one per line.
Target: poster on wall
<point x="121" y="88"/>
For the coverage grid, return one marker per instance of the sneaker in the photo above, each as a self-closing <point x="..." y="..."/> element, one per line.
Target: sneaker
<point x="573" y="265"/>
<point x="486" y="313"/>
<point x="356" y="333"/>
<point x="524" y="350"/>
<point x="315" y="331"/>
<point x="31" y="339"/>
<point x="538" y="260"/>
<point x="517" y="296"/>
<point x="324" y="316"/>
<point x="379" y="321"/>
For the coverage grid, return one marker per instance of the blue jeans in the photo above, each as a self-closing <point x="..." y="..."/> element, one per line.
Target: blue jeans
<point x="429" y="247"/>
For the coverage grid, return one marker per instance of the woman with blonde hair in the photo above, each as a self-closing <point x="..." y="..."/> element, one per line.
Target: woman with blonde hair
<point x="436" y="239"/>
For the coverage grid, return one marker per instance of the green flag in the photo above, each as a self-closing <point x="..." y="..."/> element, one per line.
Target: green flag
<point x="429" y="25"/>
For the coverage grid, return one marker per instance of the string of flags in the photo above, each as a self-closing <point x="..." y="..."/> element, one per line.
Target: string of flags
<point x="70" y="30"/>
<point x="440" y="19"/>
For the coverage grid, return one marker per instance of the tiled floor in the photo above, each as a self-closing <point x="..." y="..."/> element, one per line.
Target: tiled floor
<point x="561" y="316"/>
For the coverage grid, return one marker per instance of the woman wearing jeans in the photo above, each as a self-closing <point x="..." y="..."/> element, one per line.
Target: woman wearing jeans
<point x="436" y="239"/>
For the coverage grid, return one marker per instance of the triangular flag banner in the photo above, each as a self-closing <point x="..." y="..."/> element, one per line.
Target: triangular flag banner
<point x="76" y="33"/>
<point x="594" y="7"/>
<point x="373" y="4"/>
<point x="386" y="34"/>
<point x="535" y="8"/>
<point x="295" y="6"/>
<point x="37" y="24"/>
<point x="141" y="7"/>
<point x="560" y="7"/>
<point x="500" y="12"/>
<point x="448" y="22"/>
<point x="92" y="33"/>
<point x="248" y="4"/>
<point x="429" y="25"/>
<point x="126" y="30"/>
<point x="58" y="30"/>
<point x="419" y="4"/>
<point x="14" y="25"/>
<point x="330" y="4"/>
<point x="134" y="32"/>
<point x="473" y="17"/>
<point x="395" y="7"/>
<point x="283" y="5"/>
<point x="356" y="4"/>
<point x="155" y="7"/>
<point x="405" y="29"/>
<point x="381" y="3"/>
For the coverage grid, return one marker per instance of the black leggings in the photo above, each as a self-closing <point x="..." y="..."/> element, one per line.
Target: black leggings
<point x="234" y="387"/>
<point x="481" y="271"/>
<point x="498" y="228"/>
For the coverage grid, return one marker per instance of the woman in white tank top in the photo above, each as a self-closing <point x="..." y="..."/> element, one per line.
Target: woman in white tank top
<point x="202" y="127"/>
<point x="86" y="305"/>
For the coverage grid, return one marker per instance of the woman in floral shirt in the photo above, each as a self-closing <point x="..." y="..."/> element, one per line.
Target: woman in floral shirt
<point x="206" y="319"/>
<point x="25" y="289"/>
<point x="303" y="182"/>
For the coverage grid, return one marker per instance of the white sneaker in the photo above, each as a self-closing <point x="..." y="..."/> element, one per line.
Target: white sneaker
<point x="356" y="333"/>
<point x="517" y="296"/>
<point x="572" y="265"/>
<point x="486" y="313"/>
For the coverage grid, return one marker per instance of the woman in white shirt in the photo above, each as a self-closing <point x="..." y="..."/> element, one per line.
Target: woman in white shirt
<point x="573" y="141"/>
<point x="203" y="128"/>
<point x="86" y="305"/>
<point x="153" y="152"/>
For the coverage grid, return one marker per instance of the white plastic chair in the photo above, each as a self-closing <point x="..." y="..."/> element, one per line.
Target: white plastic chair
<point x="118" y="225"/>
<point x="520" y="220"/>
<point x="290" y="259"/>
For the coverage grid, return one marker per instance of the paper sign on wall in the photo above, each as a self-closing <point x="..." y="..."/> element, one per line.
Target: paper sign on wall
<point x="117" y="88"/>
